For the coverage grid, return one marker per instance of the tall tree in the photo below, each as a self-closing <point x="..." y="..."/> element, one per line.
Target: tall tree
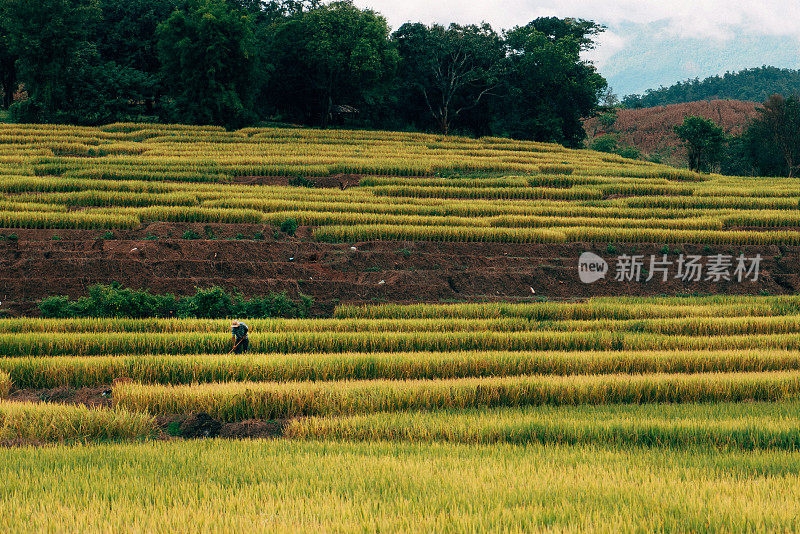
<point x="207" y="60"/>
<point x="128" y="34"/>
<point x="51" y="41"/>
<point x="780" y="118"/>
<point x="335" y="54"/>
<point x="704" y="141"/>
<point x="8" y="70"/>
<point x="451" y="70"/>
<point x="548" y="87"/>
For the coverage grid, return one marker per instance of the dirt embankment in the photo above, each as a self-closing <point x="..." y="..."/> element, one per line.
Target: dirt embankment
<point x="157" y="258"/>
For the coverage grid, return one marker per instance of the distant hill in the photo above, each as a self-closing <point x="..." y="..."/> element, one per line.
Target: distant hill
<point x="650" y="129"/>
<point x="750" y="85"/>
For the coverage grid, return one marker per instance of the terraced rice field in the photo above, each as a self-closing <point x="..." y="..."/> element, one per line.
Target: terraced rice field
<point x="621" y="414"/>
<point x="542" y="416"/>
<point x="409" y="187"/>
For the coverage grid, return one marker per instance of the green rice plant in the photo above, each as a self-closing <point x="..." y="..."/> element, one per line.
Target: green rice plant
<point x="194" y="214"/>
<point x="487" y="192"/>
<point x="763" y="219"/>
<point x="684" y="202"/>
<point x="240" y="401"/>
<point x="643" y="189"/>
<point x="118" y="198"/>
<point x="684" y="326"/>
<point x="617" y="308"/>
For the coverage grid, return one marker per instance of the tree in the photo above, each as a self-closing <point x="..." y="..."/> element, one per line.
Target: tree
<point x="753" y="85"/>
<point x="277" y="10"/>
<point x="780" y="118"/>
<point x="608" y="143"/>
<point x="549" y="89"/>
<point x="51" y="41"/>
<point x="704" y="141"/>
<point x="128" y="35"/>
<point x="8" y="71"/>
<point x="448" y="71"/>
<point x="207" y="60"/>
<point x="335" y="54"/>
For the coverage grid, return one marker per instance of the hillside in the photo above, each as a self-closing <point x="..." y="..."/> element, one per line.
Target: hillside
<point x="651" y="129"/>
<point x="358" y="216"/>
<point x="754" y="85"/>
<point x="504" y="336"/>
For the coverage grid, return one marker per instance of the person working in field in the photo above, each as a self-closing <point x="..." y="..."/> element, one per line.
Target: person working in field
<point x="240" y="340"/>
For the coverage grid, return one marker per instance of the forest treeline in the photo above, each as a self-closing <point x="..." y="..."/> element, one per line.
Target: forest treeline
<point x="241" y="62"/>
<point x="754" y="85"/>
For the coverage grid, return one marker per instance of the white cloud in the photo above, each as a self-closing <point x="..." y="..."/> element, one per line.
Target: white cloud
<point x="718" y="19"/>
<point x="648" y="42"/>
<point x="609" y="43"/>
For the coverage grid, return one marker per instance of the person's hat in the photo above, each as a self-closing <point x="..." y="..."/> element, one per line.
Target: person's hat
<point x="234" y="323"/>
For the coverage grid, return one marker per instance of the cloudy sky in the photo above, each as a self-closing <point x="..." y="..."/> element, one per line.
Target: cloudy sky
<point x="649" y="42"/>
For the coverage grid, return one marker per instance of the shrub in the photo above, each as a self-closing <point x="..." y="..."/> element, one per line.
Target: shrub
<point x="207" y="303"/>
<point x="55" y="306"/>
<point x="301" y="181"/>
<point x="210" y="303"/>
<point x="289" y="226"/>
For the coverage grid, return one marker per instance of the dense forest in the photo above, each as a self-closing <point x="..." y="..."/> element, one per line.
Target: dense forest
<point x="241" y="62"/>
<point x="754" y="85"/>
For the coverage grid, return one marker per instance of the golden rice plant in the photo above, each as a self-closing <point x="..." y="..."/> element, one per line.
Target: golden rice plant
<point x="5" y="384"/>
<point x="240" y="401"/>
<point x="92" y="371"/>
<point x="336" y="233"/>
<point x="48" y="219"/>
<point x="36" y="423"/>
<point x="747" y="426"/>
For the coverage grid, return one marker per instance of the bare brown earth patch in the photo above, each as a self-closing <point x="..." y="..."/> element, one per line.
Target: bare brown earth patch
<point x="157" y="258"/>
<point x="99" y="396"/>
<point x="651" y="129"/>
<point x="202" y="426"/>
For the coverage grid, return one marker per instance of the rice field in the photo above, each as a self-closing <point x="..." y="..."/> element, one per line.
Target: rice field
<point x="313" y="486"/>
<point x="622" y="414"/>
<point x="410" y="187"/>
<point x="505" y="417"/>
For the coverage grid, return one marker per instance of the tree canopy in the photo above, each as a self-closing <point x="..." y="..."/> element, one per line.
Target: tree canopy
<point x="704" y="141"/>
<point x="234" y="62"/>
<point x="755" y="85"/>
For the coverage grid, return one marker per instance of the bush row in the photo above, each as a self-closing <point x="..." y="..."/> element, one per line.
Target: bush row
<point x="211" y="303"/>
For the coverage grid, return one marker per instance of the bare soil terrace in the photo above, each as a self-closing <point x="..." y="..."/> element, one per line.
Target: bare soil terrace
<point x="40" y="263"/>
